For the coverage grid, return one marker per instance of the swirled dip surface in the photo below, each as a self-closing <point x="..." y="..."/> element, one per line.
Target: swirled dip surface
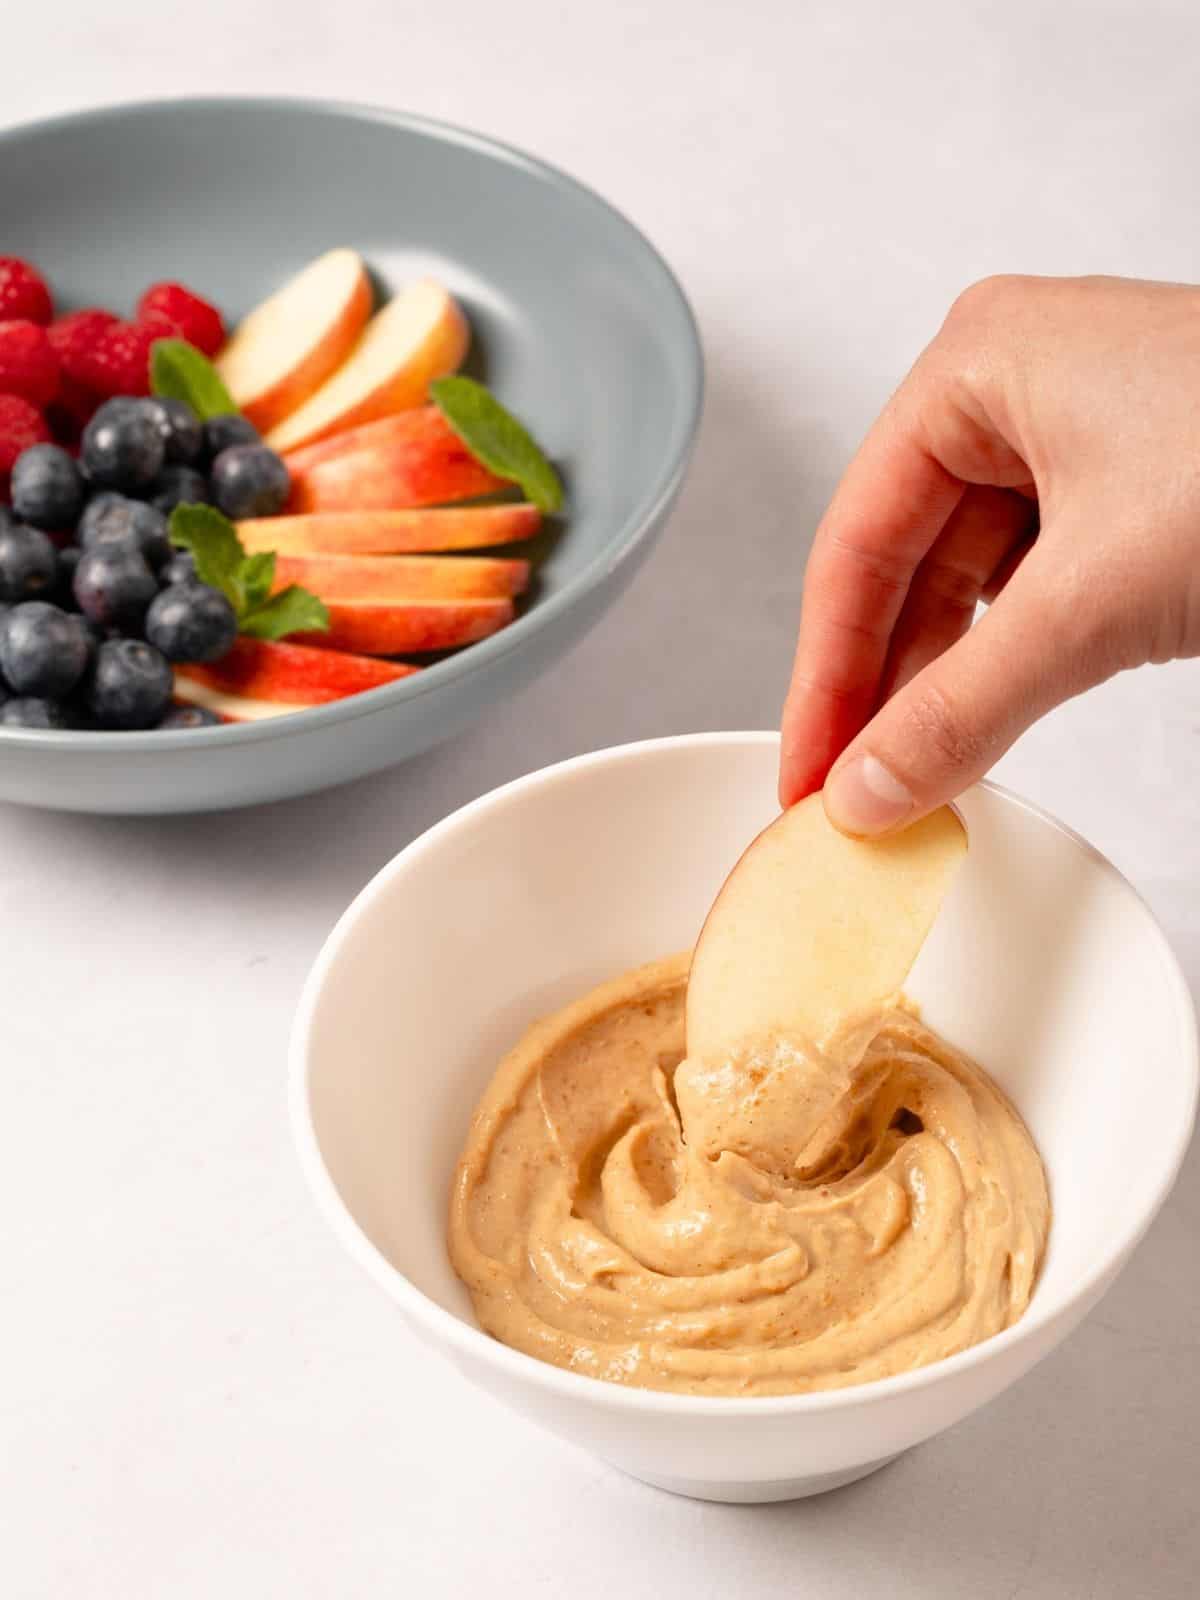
<point x="778" y="1222"/>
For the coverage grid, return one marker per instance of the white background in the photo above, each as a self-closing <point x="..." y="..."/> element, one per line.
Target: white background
<point x="199" y="1395"/>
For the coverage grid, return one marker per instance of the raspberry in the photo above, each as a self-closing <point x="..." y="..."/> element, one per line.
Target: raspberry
<point x="23" y="292"/>
<point x="74" y="335"/>
<point x="118" y="361"/>
<point x="173" y="309"/>
<point x="20" y="426"/>
<point x="72" y="338"/>
<point x="28" y="365"/>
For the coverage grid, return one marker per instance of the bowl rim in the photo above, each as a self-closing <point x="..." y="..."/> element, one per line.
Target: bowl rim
<point x="470" y="1341"/>
<point x="634" y="529"/>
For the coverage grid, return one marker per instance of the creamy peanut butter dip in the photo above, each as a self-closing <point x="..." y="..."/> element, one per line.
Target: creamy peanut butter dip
<point x="782" y="1221"/>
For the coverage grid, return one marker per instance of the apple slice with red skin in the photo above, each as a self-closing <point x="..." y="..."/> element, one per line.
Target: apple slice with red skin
<point x="401" y="628"/>
<point x="284" y="350"/>
<point x="409" y="427"/>
<point x="425" y="465"/>
<point x="288" y="674"/>
<point x="379" y="579"/>
<point x="374" y="481"/>
<point x="421" y="334"/>
<point x="813" y="929"/>
<point x="382" y="533"/>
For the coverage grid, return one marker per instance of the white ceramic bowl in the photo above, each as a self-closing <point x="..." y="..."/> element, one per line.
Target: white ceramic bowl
<point x="1044" y="964"/>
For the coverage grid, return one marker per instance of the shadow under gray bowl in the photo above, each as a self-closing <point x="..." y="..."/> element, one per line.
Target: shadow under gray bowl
<point x="578" y="325"/>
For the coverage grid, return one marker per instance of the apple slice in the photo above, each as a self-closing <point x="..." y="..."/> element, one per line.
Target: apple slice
<point x="424" y="463"/>
<point x="403" y="427"/>
<point x="419" y="335"/>
<point x="813" y="929"/>
<point x="399" y="627"/>
<point x="400" y="578"/>
<point x="282" y="673"/>
<point x="382" y="533"/>
<point x="233" y="707"/>
<point x="284" y="350"/>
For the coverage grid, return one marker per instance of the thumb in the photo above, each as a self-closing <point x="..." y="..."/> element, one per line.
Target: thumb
<point x="1032" y="650"/>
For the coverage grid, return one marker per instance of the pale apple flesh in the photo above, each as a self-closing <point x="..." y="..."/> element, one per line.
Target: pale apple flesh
<point x="284" y="350"/>
<point x="421" y="334"/>
<point x="813" y="929"/>
<point x="387" y="533"/>
<point x="233" y="707"/>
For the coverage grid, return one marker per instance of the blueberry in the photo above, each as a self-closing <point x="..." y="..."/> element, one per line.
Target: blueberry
<point x="248" y="480"/>
<point x="181" y="429"/>
<point x="190" y="717"/>
<point x="130" y="523"/>
<point x="129" y="686"/>
<point x="177" y="486"/>
<point x="191" y="622"/>
<point x="28" y="562"/>
<point x="43" y="651"/>
<point x="27" y="712"/>
<point x="96" y="509"/>
<point x="122" y="446"/>
<point x="113" y="586"/>
<point x="64" y="588"/>
<point x="46" y="487"/>
<point x="180" y="569"/>
<point x="228" y="429"/>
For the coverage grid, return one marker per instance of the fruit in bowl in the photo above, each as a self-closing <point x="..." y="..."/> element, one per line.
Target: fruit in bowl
<point x="589" y="337"/>
<point x="157" y="548"/>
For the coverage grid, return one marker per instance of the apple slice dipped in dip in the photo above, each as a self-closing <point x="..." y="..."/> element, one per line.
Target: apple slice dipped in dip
<point x="813" y="929"/>
<point x="812" y="1190"/>
<point x="812" y="934"/>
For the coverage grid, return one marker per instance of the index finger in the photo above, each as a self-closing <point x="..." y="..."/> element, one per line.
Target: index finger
<point x="888" y="510"/>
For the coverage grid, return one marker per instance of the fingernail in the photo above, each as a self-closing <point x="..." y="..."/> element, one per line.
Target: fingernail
<point x="864" y="797"/>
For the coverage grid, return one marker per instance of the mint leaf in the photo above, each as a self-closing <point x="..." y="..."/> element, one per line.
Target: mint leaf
<point x="258" y="574"/>
<point x="178" y="371"/>
<point x="292" y="610"/>
<point x="495" y="437"/>
<point x="216" y="548"/>
<point x="245" y="581"/>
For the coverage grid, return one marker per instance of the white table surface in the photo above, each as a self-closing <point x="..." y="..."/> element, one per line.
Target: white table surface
<point x="200" y="1396"/>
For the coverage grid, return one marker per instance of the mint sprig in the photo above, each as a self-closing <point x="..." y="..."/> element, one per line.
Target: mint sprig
<point x="495" y="437"/>
<point x="178" y="371"/>
<point x="292" y="610"/>
<point x="257" y="576"/>
<point x="216" y="549"/>
<point x="245" y="581"/>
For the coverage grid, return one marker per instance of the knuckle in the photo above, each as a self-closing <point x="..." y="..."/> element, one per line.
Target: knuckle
<point x="1091" y="611"/>
<point x="844" y="557"/>
<point x="849" y="625"/>
<point x="839" y="683"/>
<point x="951" y="586"/>
<point x="982" y="300"/>
<point x="935" y="722"/>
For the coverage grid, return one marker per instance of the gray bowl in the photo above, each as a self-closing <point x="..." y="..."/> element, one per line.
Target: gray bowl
<point x="579" y="326"/>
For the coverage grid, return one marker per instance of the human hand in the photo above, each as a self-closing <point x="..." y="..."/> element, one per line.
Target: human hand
<point x="1044" y="455"/>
